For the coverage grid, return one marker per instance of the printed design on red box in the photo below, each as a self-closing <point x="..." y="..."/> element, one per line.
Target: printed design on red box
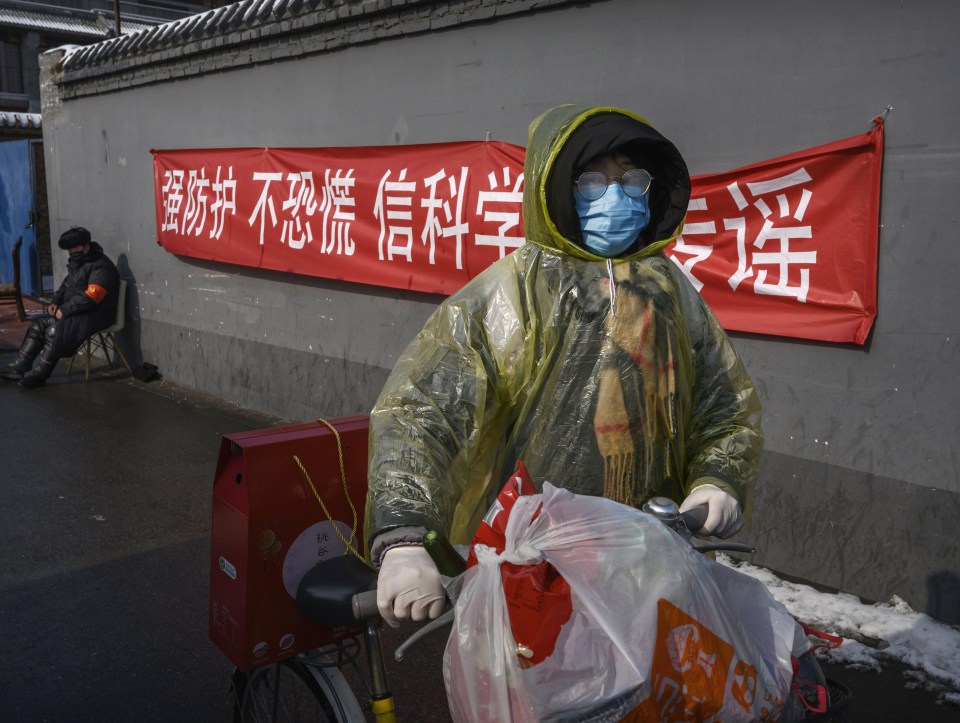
<point x="315" y="544"/>
<point x="268" y="544"/>
<point x="228" y="568"/>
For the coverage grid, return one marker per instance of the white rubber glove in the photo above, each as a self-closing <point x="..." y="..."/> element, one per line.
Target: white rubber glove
<point x="724" y="518"/>
<point x="409" y="586"/>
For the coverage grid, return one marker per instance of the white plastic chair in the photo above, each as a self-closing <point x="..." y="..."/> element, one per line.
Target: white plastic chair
<point x="104" y="339"/>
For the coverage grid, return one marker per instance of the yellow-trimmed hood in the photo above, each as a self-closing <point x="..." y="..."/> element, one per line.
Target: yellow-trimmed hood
<point x="563" y="140"/>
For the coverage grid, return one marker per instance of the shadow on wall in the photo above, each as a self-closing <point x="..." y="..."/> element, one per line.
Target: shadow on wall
<point x="943" y="597"/>
<point x="129" y="337"/>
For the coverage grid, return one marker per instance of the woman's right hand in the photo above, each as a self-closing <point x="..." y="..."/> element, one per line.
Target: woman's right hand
<point x="409" y="586"/>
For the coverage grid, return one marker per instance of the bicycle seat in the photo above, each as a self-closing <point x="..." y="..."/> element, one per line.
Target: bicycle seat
<point x="325" y="592"/>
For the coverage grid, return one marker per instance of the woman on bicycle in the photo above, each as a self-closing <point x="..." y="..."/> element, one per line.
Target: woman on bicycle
<point x="585" y="353"/>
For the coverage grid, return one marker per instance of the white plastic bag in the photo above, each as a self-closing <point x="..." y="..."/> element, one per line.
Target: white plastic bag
<point x="654" y="631"/>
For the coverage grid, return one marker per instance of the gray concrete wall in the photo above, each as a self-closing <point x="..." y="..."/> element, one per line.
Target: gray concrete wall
<point x="860" y="487"/>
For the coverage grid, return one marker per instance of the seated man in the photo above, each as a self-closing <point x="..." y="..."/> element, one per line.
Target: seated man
<point x="85" y="303"/>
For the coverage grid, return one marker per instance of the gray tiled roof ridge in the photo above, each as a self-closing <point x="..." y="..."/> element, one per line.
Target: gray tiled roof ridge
<point x="251" y="32"/>
<point x="70" y="21"/>
<point x="9" y="119"/>
<point x="242" y="16"/>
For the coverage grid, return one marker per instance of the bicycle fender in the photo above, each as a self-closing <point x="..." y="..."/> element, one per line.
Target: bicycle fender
<point x="341" y="697"/>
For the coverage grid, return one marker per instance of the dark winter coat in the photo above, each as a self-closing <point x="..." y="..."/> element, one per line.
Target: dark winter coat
<point x="87" y="298"/>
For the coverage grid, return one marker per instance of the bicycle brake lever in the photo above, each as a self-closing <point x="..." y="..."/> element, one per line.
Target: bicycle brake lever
<point x="680" y="527"/>
<point x="451" y="586"/>
<point x="701" y="546"/>
<point x="432" y="626"/>
<point x="704" y="546"/>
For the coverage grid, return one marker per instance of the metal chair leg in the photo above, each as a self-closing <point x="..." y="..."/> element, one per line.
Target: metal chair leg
<point x="106" y="343"/>
<point x="123" y="357"/>
<point x="86" y="361"/>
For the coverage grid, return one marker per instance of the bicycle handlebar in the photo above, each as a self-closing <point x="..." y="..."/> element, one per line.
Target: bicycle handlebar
<point x="695" y="518"/>
<point x="685" y="523"/>
<point x="364" y="605"/>
<point x="365" y="609"/>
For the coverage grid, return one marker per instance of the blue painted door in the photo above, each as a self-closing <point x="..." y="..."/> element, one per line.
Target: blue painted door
<point x="16" y="213"/>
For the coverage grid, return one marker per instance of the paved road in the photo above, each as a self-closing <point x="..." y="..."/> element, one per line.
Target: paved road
<point x="104" y="522"/>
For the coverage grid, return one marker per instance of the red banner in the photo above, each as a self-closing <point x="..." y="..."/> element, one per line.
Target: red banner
<point x="789" y="246"/>
<point x="421" y="217"/>
<point x="785" y="247"/>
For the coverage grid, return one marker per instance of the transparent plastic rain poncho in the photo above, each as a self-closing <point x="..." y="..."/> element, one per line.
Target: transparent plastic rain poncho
<point x="604" y="377"/>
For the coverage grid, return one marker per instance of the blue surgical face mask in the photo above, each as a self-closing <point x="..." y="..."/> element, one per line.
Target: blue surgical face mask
<point x="612" y="222"/>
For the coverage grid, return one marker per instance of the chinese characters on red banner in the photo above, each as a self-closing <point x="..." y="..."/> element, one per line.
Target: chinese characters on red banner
<point x="789" y="246"/>
<point x="427" y="218"/>
<point x="784" y="247"/>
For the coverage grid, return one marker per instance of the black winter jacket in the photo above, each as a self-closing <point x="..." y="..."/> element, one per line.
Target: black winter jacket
<point x="88" y="295"/>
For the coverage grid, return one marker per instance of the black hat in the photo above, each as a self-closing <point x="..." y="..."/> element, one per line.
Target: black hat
<point x="76" y="236"/>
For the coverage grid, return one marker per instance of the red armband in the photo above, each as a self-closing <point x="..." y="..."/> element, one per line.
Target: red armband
<point x="96" y="292"/>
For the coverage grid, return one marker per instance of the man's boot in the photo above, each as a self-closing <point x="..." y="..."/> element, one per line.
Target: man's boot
<point x="29" y="349"/>
<point x="42" y="368"/>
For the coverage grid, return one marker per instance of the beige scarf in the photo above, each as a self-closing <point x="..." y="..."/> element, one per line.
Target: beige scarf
<point x="636" y="406"/>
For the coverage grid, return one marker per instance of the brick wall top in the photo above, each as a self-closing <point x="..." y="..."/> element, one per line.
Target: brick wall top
<point x="256" y="31"/>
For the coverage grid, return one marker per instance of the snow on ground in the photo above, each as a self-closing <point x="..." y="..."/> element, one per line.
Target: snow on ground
<point x="891" y="630"/>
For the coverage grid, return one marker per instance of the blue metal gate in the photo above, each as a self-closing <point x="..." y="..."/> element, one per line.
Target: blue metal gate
<point x="17" y="212"/>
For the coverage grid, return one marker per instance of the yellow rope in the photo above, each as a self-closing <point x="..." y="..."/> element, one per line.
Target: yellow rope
<point x="350" y="548"/>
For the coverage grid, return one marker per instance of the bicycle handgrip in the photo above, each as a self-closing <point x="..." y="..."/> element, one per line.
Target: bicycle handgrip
<point x="364" y="605"/>
<point x="695" y="517"/>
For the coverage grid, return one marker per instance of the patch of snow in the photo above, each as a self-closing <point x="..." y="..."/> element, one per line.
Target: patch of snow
<point x="872" y="633"/>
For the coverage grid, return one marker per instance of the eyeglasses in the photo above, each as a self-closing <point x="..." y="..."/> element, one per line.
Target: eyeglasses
<point x="593" y="184"/>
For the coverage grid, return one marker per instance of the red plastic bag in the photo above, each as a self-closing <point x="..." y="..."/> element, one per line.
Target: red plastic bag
<point x="537" y="596"/>
<point x="492" y="531"/>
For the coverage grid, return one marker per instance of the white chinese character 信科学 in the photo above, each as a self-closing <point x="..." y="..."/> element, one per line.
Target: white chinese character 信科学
<point x="452" y="223"/>
<point x="501" y="204"/>
<point x="394" y="209"/>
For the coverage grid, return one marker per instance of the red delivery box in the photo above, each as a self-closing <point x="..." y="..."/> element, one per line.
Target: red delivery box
<point x="268" y="529"/>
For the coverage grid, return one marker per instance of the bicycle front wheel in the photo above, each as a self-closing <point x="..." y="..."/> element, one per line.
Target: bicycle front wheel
<point x="284" y="692"/>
